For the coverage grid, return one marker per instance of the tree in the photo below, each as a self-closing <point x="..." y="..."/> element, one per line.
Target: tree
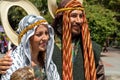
<point x="15" y="14"/>
<point x="101" y="22"/>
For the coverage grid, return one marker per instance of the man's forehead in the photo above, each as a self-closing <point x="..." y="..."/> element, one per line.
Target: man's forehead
<point x="76" y="11"/>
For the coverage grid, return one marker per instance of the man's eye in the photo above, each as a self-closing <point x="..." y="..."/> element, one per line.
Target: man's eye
<point x="73" y="15"/>
<point x="81" y="15"/>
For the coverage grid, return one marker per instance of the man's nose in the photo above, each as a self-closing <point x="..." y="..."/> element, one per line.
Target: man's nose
<point x="78" y="19"/>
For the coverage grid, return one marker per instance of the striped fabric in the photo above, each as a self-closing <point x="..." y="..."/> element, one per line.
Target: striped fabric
<point x="67" y="50"/>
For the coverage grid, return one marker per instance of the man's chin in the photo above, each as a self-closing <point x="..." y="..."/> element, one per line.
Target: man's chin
<point x="75" y="34"/>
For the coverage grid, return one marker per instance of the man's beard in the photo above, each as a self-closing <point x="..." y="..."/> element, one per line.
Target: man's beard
<point x="76" y="29"/>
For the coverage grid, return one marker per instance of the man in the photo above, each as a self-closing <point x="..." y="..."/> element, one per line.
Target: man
<point x="70" y="24"/>
<point x="74" y="38"/>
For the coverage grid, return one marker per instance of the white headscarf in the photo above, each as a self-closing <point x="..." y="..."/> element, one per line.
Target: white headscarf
<point x="22" y="55"/>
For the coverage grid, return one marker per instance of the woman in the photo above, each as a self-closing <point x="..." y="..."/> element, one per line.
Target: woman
<point x="36" y="43"/>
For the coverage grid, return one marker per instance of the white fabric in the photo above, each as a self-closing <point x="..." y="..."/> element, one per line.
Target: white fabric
<point x="22" y="56"/>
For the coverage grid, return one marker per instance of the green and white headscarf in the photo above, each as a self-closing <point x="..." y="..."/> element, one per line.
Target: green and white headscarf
<point x="22" y="54"/>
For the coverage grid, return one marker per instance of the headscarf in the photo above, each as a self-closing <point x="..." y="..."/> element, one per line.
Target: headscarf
<point x="62" y="13"/>
<point x="22" y="54"/>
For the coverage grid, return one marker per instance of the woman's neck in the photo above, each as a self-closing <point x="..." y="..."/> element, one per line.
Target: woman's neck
<point x="38" y="58"/>
<point x="34" y="57"/>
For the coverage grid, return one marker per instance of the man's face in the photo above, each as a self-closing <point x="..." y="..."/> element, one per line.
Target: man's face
<point x="76" y="20"/>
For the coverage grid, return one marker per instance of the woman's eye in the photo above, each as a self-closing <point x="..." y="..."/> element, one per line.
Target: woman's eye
<point x="46" y="33"/>
<point x="38" y="34"/>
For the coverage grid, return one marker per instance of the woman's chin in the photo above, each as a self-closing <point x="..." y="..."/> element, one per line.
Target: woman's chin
<point x="42" y="49"/>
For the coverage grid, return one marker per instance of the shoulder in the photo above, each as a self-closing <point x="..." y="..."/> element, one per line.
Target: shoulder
<point x="97" y="49"/>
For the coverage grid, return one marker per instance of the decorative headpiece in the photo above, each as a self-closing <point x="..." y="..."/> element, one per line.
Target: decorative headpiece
<point x="28" y="28"/>
<point x="65" y="9"/>
<point x="52" y="6"/>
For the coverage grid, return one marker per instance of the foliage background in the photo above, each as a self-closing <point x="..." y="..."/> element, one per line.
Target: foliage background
<point x="103" y="17"/>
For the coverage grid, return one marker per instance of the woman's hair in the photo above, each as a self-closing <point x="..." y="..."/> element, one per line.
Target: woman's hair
<point x="41" y="58"/>
<point x="57" y="24"/>
<point x="25" y="73"/>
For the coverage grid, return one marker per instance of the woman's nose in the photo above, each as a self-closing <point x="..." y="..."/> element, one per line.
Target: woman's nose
<point x="45" y="37"/>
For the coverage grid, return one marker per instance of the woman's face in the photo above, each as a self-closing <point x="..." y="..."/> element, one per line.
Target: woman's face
<point x="40" y="38"/>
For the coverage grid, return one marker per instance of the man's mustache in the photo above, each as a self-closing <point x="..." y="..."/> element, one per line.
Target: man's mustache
<point x="76" y="24"/>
